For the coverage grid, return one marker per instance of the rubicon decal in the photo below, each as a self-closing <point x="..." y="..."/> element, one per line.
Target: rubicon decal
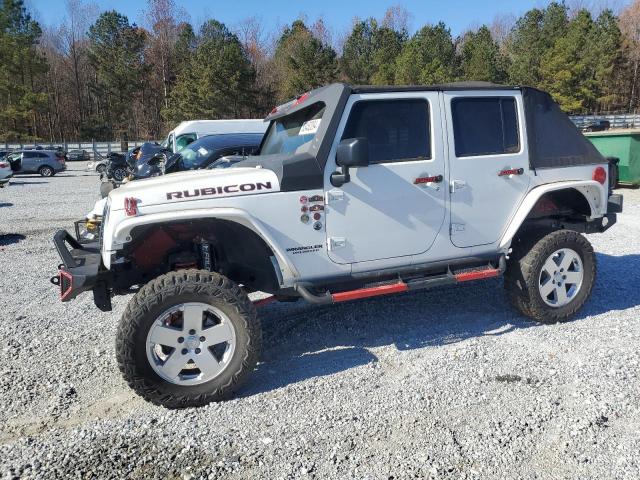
<point x="202" y="192"/>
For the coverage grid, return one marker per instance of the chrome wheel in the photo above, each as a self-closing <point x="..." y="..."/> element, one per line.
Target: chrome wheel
<point x="191" y="343"/>
<point x="561" y="277"/>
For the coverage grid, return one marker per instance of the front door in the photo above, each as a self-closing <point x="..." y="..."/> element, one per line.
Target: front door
<point x="394" y="207"/>
<point x="488" y="163"/>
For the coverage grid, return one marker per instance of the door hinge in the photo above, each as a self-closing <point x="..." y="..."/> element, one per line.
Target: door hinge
<point x="336" y="243"/>
<point x="457" y="185"/>
<point x="456" y="228"/>
<point x="334" y="196"/>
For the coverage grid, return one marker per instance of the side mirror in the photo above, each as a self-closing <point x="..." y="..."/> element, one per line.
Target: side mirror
<point x="351" y="152"/>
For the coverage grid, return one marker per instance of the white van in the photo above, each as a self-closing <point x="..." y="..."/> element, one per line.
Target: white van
<point x="187" y="132"/>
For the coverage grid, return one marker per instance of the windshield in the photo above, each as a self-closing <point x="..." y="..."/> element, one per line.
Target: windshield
<point x="288" y="134"/>
<point x="194" y="156"/>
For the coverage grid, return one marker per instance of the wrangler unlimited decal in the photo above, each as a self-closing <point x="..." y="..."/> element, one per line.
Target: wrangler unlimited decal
<point x="198" y="192"/>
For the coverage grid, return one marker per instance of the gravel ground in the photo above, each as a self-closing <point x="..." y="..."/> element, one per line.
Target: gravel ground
<point x="439" y="384"/>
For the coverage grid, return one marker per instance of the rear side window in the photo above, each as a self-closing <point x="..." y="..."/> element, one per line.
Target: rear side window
<point x="485" y="126"/>
<point x="396" y="130"/>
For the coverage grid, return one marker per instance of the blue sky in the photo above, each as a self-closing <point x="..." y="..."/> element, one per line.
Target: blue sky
<point x="338" y="14"/>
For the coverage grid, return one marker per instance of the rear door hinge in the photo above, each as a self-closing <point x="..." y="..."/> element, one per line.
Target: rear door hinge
<point x="337" y="242"/>
<point x="456" y="228"/>
<point x="456" y="185"/>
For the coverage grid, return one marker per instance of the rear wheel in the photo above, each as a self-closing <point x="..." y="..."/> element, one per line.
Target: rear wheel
<point x="46" y="171"/>
<point x="188" y="338"/>
<point x="550" y="276"/>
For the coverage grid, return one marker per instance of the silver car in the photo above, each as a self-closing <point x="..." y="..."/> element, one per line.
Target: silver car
<point x="44" y="162"/>
<point x="5" y="172"/>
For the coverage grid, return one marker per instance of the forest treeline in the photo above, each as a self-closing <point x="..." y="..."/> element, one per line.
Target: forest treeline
<point x="99" y="76"/>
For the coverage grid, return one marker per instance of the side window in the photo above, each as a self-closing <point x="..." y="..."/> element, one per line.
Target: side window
<point x="184" y="140"/>
<point x="42" y="155"/>
<point x="29" y="155"/>
<point x="397" y="130"/>
<point x="485" y="126"/>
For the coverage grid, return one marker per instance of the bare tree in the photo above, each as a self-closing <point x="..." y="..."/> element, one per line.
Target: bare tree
<point x="397" y="18"/>
<point x="501" y="26"/>
<point x="629" y="21"/>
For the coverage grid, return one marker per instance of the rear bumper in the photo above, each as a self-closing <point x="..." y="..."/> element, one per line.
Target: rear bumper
<point x="81" y="270"/>
<point x="614" y="204"/>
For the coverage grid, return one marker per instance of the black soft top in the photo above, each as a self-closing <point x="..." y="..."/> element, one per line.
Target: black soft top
<point x="553" y="139"/>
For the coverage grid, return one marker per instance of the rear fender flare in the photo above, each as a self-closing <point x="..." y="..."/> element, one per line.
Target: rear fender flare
<point x="592" y="191"/>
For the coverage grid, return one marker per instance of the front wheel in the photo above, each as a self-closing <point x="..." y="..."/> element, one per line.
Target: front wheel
<point x="188" y="338"/>
<point x="549" y="277"/>
<point x="101" y="168"/>
<point x="119" y="174"/>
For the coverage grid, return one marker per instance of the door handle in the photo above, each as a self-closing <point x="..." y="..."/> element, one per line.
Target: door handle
<point x="432" y="179"/>
<point x="510" y="172"/>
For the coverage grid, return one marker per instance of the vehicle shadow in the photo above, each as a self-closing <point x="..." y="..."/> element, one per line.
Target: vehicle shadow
<point x="64" y="175"/>
<point x="16" y="182"/>
<point x="6" y="204"/>
<point x="10" y="238"/>
<point x="303" y="341"/>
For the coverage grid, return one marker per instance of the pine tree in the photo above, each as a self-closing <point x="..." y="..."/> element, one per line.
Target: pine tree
<point x="21" y="68"/>
<point x="566" y="68"/>
<point x="357" y="52"/>
<point x="216" y="80"/>
<point x="303" y="62"/>
<point x="533" y="35"/>
<point x="481" y="58"/>
<point x="429" y="57"/>
<point x="116" y="54"/>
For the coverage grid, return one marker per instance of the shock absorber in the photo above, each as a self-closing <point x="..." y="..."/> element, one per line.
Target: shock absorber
<point x="207" y="255"/>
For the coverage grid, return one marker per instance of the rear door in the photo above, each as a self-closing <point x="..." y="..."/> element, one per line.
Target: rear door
<point x="30" y="162"/>
<point x="488" y="163"/>
<point x="394" y="207"/>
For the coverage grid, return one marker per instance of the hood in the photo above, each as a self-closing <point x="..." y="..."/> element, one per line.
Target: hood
<point x="196" y="185"/>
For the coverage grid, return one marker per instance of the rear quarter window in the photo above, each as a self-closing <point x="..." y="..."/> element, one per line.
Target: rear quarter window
<point x="485" y="126"/>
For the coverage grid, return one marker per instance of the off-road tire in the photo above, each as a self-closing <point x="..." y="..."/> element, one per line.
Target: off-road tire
<point x="172" y="289"/>
<point x="46" y="171"/>
<point x="530" y="251"/>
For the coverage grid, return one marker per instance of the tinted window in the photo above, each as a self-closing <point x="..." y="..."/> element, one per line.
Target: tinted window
<point x="396" y="130"/>
<point x="485" y="126"/>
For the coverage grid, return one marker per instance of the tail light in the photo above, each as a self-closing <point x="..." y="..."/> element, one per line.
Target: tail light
<point x="131" y="206"/>
<point x="600" y="175"/>
<point x="3" y="165"/>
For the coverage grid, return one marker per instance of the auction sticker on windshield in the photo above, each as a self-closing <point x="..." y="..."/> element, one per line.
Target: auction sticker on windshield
<point x="310" y="127"/>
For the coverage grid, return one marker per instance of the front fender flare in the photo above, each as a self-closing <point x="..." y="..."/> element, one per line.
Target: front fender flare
<point x="122" y="232"/>
<point x="592" y="191"/>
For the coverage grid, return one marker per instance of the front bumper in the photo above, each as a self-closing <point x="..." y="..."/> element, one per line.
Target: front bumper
<point x="81" y="270"/>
